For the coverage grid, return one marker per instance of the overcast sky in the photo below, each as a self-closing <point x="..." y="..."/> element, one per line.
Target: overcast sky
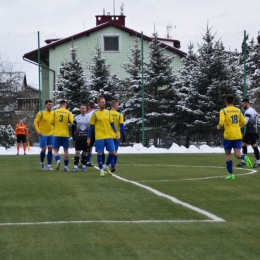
<point x="67" y="17"/>
<point x="20" y="20"/>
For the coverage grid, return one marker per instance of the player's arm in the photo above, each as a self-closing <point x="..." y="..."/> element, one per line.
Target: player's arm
<point x="221" y="119"/>
<point x="242" y="120"/>
<point x="92" y="122"/>
<point x="36" y="123"/>
<point x="52" y="121"/>
<point x="122" y="131"/>
<point x="73" y="129"/>
<point x="71" y="118"/>
<point x="114" y="128"/>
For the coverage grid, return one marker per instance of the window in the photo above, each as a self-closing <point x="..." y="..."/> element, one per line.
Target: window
<point x="111" y="43"/>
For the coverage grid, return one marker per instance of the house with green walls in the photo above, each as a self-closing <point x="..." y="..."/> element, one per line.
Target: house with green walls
<point x="111" y="34"/>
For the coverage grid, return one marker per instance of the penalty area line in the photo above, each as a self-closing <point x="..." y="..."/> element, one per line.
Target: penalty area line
<point x="104" y="222"/>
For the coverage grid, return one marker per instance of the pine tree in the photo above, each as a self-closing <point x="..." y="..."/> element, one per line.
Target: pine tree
<point x="132" y="101"/>
<point x="6" y="136"/>
<point x="71" y="81"/>
<point x="160" y="94"/>
<point x="101" y="82"/>
<point x="253" y="73"/>
<point x="184" y="83"/>
<point x="212" y="80"/>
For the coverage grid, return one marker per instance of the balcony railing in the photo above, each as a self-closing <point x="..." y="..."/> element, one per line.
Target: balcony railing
<point x="27" y="104"/>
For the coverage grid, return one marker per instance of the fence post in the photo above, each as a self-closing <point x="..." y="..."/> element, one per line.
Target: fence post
<point x="245" y="90"/>
<point x="39" y="72"/>
<point x="142" y="72"/>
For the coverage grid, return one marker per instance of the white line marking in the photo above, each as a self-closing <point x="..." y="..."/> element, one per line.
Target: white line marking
<point x="213" y="218"/>
<point x="103" y="221"/>
<point x="174" y="200"/>
<point x="251" y="171"/>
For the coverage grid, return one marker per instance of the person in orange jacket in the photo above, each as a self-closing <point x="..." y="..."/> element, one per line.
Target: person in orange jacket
<point x="21" y="134"/>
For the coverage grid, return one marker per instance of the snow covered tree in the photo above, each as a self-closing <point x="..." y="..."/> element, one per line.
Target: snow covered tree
<point x="7" y="136"/>
<point x="132" y="101"/>
<point x="160" y="94"/>
<point x="253" y="73"/>
<point x="184" y="83"/>
<point x="71" y="81"/>
<point x="213" y="78"/>
<point x="101" y="82"/>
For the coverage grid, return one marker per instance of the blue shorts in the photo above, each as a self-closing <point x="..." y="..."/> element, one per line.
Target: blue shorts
<point x="45" y="140"/>
<point x="116" y="143"/>
<point x="61" y="141"/>
<point x="229" y="144"/>
<point x="101" y="144"/>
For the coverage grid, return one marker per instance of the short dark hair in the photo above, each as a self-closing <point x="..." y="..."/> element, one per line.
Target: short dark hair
<point x="62" y="102"/>
<point x="113" y="102"/>
<point x="229" y="99"/>
<point x="245" y="100"/>
<point x="91" y="104"/>
<point x="48" y="101"/>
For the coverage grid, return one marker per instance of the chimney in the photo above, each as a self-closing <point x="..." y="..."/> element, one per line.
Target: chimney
<point x="118" y="19"/>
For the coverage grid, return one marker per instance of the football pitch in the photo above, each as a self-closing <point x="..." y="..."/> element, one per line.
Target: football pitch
<point x="159" y="206"/>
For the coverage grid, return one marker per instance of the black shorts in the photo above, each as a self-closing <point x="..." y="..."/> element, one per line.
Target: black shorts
<point x="21" y="138"/>
<point x="82" y="145"/>
<point x="250" y="138"/>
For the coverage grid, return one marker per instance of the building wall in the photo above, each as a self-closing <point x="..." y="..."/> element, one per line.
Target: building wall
<point x="86" y="49"/>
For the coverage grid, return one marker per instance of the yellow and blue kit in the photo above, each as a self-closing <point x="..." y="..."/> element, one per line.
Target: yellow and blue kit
<point x="231" y="119"/>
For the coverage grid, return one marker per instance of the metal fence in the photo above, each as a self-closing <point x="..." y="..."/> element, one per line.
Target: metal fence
<point x="14" y="46"/>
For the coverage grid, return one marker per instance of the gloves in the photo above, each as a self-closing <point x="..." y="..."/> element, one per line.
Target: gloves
<point x="123" y="139"/>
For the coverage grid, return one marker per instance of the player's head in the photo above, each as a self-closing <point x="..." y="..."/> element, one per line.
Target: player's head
<point x="83" y="109"/>
<point x="101" y="103"/>
<point x="63" y="103"/>
<point x="229" y="99"/>
<point x="245" y="103"/>
<point x="48" y="104"/>
<point x="21" y="121"/>
<point x="91" y="105"/>
<point x="114" y="104"/>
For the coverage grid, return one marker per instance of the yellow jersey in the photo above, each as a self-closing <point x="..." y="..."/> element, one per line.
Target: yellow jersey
<point x="42" y="122"/>
<point x="231" y="118"/>
<point x="118" y="119"/>
<point x="101" y="120"/>
<point x="60" y="121"/>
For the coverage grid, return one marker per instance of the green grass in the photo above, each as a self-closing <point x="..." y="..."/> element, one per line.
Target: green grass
<point x="28" y="194"/>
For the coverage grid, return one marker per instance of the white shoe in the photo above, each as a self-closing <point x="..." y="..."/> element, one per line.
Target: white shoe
<point x="42" y="167"/>
<point x="74" y="169"/>
<point x="49" y="168"/>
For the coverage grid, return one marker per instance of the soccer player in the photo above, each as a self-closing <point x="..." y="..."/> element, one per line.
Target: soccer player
<point x="119" y="123"/>
<point x="21" y="134"/>
<point x="231" y="118"/>
<point x="60" y="121"/>
<point x="44" y="129"/>
<point x="105" y="131"/>
<point x="91" y="110"/>
<point x="251" y="132"/>
<point x="80" y="132"/>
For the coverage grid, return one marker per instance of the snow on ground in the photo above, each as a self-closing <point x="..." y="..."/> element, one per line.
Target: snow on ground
<point x="135" y="149"/>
